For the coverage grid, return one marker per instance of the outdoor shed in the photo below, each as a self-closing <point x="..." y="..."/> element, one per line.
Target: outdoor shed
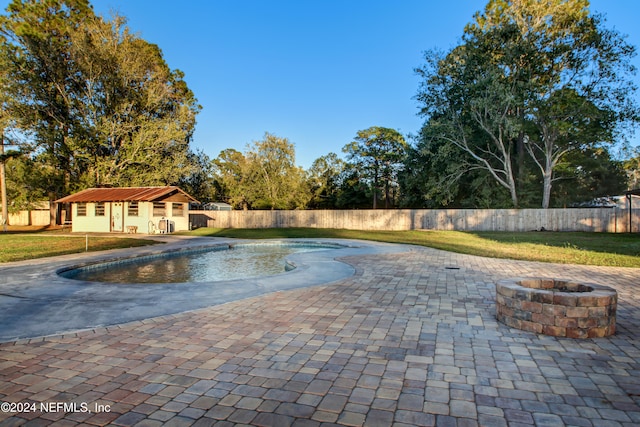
<point x="218" y="206"/>
<point x="129" y="209"/>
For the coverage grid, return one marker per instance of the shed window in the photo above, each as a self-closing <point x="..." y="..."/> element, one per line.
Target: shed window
<point x="177" y="209"/>
<point x="81" y="209"/>
<point x="159" y="209"/>
<point x="132" y="209"/>
<point x="100" y="209"/>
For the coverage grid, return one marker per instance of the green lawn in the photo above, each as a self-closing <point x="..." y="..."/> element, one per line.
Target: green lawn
<point x="22" y="246"/>
<point x="620" y="250"/>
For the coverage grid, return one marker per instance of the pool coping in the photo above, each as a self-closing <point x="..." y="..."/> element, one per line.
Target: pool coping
<point x="66" y="270"/>
<point x="35" y="301"/>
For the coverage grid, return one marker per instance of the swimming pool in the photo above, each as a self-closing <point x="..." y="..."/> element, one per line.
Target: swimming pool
<point x="228" y="262"/>
<point x="38" y="300"/>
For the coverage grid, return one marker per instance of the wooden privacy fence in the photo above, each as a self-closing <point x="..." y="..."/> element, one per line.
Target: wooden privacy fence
<point x="35" y="217"/>
<point x="612" y="220"/>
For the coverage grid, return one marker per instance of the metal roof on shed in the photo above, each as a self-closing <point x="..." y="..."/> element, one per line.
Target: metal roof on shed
<point x="125" y="194"/>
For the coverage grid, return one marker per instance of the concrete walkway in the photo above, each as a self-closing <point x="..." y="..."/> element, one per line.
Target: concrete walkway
<point x="409" y="339"/>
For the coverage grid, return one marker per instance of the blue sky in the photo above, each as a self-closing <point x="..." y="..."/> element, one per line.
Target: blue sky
<point x="314" y="72"/>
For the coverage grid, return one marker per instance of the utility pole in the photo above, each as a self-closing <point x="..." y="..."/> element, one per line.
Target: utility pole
<point x="4" y="219"/>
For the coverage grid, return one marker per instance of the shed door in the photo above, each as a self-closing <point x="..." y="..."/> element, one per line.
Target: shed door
<point x="117" y="216"/>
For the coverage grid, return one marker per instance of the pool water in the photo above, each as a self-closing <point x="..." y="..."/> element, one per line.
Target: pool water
<point x="236" y="262"/>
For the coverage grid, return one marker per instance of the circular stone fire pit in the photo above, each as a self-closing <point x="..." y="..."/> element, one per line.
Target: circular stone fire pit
<point x="557" y="307"/>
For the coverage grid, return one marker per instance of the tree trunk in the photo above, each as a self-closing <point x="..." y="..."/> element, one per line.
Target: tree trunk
<point x="547" y="180"/>
<point x="375" y="192"/>
<point x="53" y="210"/>
<point x="387" y="195"/>
<point x="4" y="215"/>
<point x="514" y="193"/>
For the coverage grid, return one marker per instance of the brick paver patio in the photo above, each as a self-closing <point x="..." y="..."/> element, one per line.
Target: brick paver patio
<point x="410" y="340"/>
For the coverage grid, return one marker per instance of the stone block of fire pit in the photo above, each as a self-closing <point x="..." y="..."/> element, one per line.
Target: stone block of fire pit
<point x="557" y="307"/>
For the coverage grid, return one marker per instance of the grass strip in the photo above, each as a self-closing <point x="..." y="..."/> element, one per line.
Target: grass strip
<point x="24" y="246"/>
<point x="604" y="249"/>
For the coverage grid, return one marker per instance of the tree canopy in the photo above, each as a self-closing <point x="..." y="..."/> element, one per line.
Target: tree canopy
<point x="96" y="104"/>
<point x="264" y="177"/>
<point x="530" y="83"/>
<point x="378" y="153"/>
<point x="324" y="179"/>
<point x="523" y="112"/>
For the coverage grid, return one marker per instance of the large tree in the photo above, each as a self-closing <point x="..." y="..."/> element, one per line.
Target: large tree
<point x="355" y="189"/>
<point x="200" y="183"/>
<point x="378" y="154"/>
<point x="264" y="177"/>
<point x="140" y="114"/>
<point x="231" y="172"/>
<point x="541" y="78"/>
<point x="470" y="107"/>
<point x="324" y="181"/>
<point x="436" y="174"/>
<point x="42" y="81"/>
<point x="277" y="182"/>
<point x="632" y="168"/>
<point x="99" y="104"/>
<point x="586" y="175"/>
